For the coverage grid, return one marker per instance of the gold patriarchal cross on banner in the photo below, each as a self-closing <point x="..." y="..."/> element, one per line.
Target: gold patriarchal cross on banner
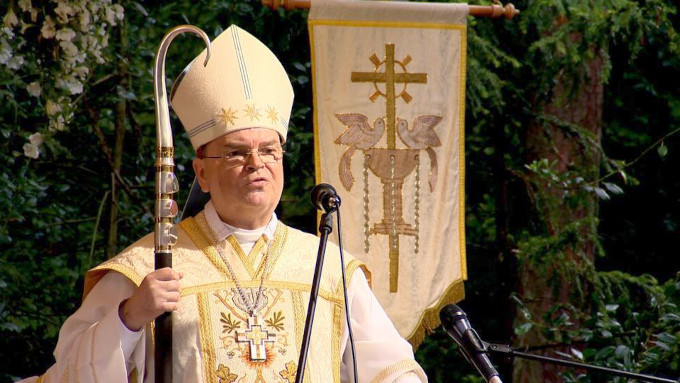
<point x="390" y="164"/>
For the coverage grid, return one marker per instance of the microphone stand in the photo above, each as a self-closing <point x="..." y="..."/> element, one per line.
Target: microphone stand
<point x="325" y="228"/>
<point x="506" y="350"/>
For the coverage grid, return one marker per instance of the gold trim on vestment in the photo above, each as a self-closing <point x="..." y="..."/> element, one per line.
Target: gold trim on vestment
<point x="293" y="286"/>
<point x="245" y="260"/>
<point x="192" y="226"/>
<point x="349" y="273"/>
<point x="257" y="248"/>
<point x="336" y="338"/>
<point x="94" y="275"/>
<point x="133" y="376"/>
<point x="274" y="252"/>
<point x="406" y="365"/>
<point x="299" y="311"/>
<point x="206" y="338"/>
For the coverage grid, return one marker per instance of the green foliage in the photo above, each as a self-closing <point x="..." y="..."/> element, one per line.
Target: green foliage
<point x="634" y="325"/>
<point x="55" y="208"/>
<point x="566" y="35"/>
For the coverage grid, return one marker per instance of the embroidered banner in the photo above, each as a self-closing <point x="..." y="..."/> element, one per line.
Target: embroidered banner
<point x="389" y="107"/>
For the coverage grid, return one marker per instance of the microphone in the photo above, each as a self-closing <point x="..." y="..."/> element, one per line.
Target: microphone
<point x="325" y="198"/>
<point x="456" y="324"/>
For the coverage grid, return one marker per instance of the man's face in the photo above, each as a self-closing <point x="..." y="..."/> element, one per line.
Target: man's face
<point x="244" y="193"/>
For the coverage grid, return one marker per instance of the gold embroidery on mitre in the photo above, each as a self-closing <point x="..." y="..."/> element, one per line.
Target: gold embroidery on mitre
<point x="228" y="117"/>
<point x="273" y="115"/>
<point x="252" y="112"/>
<point x="391" y="164"/>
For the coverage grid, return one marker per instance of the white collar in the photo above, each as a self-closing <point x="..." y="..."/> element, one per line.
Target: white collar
<point x="222" y="230"/>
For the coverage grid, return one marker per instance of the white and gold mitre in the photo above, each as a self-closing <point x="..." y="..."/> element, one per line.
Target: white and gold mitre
<point x="243" y="86"/>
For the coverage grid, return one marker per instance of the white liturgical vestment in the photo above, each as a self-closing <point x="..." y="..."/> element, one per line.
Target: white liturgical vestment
<point x="212" y="331"/>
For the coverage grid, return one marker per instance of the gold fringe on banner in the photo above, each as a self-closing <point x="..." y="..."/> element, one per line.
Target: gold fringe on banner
<point x="430" y="318"/>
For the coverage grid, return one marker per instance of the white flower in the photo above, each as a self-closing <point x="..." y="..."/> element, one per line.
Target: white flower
<point x="94" y="6"/>
<point x="81" y="71"/>
<point x="119" y="11"/>
<point x="65" y="34"/>
<point x="69" y="48"/>
<point x="31" y="151"/>
<point x="73" y="85"/>
<point x="80" y="57"/>
<point x="26" y="6"/>
<point x="36" y="139"/>
<point x="98" y="57"/>
<point x="10" y="19"/>
<point x="7" y="31"/>
<point x="52" y="108"/>
<point x="85" y="20"/>
<point x="113" y="14"/>
<point x="15" y="62"/>
<point x="5" y="52"/>
<point x="110" y="16"/>
<point x="60" y="123"/>
<point x="64" y="10"/>
<point x="34" y="89"/>
<point x="57" y="124"/>
<point x="48" y="30"/>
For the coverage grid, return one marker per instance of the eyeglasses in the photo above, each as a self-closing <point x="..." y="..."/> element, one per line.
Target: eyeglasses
<point x="240" y="157"/>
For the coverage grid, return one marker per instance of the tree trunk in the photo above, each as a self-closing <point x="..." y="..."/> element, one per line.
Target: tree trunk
<point x="119" y="137"/>
<point x="567" y="131"/>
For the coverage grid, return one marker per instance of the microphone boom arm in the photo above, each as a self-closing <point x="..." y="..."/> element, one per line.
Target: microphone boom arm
<point x="504" y="349"/>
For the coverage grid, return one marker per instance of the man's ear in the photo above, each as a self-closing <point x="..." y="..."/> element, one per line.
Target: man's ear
<point x="199" y="170"/>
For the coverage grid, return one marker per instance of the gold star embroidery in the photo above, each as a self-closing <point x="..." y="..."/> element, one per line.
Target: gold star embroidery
<point x="289" y="373"/>
<point x="227" y="116"/>
<point x="225" y="375"/>
<point x="273" y="115"/>
<point x="252" y="113"/>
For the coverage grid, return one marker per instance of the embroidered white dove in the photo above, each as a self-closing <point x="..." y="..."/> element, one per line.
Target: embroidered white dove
<point x="358" y="135"/>
<point x="422" y="136"/>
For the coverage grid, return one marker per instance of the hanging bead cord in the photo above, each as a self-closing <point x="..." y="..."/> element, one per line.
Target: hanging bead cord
<point x="416" y="218"/>
<point x="393" y="206"/>
<point x="367" y="243"/>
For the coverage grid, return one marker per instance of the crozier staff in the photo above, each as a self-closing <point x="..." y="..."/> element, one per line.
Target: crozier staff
<point x="241" y="279"/>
